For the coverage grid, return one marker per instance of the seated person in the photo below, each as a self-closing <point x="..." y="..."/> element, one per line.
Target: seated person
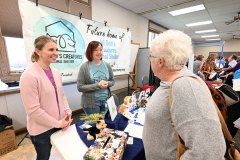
<point x="232" y="62"/>
<point x="229" y="76"/>
<point x="209" y="66"/>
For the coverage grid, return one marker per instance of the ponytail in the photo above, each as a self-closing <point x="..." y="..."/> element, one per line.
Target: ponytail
<point x="34" y="57"/>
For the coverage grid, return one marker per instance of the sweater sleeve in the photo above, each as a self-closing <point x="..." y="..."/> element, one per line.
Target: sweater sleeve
<point x="83" y="85"/>
<point x="196" y="120"/>
<point x="111" y="81"/>
<point x="30" y="96"/>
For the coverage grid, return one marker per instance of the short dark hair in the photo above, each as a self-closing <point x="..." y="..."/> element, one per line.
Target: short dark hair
<point x="200" y="57"/>
<point x="90" y="48"/>
<point x="234" y="57"/>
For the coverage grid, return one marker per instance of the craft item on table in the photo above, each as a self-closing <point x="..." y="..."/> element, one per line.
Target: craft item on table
<point x="95" y="131"/>
<point x="127" y="100"/>
<point x="132" y="106"/>
<point x="141" y="95"/>
<point x="126" y="103"/>
<point x="147" y="93"/>
<point x="108" y="147"/>
<point x="92" y="118"/>
<point x="122" y="108"/>
<point x="85" y="126"/>
<point x="141" y="103"/>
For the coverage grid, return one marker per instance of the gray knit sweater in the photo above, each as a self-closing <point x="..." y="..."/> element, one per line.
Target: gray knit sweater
<point x="195" y="119"/>
<point x="88" y="87"/>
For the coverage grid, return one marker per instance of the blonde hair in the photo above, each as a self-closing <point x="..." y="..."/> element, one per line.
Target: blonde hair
<point x="210" y="58"/>
<point x="39" y="43"/>
<point x="174" y="46"/>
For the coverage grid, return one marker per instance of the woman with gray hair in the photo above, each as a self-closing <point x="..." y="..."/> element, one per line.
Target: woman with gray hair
<point x="191" y="106"/>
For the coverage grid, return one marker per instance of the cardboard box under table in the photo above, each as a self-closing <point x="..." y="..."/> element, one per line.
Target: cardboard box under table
<point x="7" y="140"/>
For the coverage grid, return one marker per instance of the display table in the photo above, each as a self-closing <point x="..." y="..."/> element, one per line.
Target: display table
<point x="72" y="144"/>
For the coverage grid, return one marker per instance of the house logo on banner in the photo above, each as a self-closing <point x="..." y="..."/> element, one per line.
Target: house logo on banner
<point x="71" y="45"/>
<point x="72" y="36"/>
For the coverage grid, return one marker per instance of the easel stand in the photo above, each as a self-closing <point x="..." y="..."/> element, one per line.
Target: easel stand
<point x="25" y="136"/>
<point x="132" y="76"/>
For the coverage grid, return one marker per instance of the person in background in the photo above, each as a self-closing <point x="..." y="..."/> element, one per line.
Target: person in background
<point x="209" y="66"/>
<point x="232" y="61"/>
<point x="94" y="79"/>
<point x="192" y="108"/>
<point x="238" y="59"/>
<point x="43" y="97"/>
<point x="197" y="63"/>
<point x="220" y="62"/>
<point x="229" y="72"/>
<point x="226" y="63"/>
<point x="229" y="76"/>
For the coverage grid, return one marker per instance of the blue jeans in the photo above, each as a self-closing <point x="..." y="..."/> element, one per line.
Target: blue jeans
<point x="98" y="108"/>
<point x="42" y="144"/>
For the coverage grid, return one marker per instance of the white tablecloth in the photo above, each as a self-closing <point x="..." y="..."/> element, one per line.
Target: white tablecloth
<point x="69" y="144"/>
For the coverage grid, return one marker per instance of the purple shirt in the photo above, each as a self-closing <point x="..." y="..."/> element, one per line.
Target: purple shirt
<point x="237" y="67"/>
<point x="50" y="77"/>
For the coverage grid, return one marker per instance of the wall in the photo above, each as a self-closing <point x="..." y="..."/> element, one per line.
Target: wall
<point x="103" y="10"/>
<point x="230" y="46"/>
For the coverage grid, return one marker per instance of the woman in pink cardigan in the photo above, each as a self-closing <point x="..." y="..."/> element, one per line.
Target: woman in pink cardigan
<point x="43" y="97"/>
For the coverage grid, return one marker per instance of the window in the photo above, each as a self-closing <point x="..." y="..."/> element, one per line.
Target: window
<point x="16" y="54"/>
<point x="154" y="30"/>
<point x="151" y="36"/>
<point x="86" y="2"/>
<point x="5" y="73"/>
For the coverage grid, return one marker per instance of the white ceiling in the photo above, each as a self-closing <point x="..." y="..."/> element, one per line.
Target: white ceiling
<point x="218" y="11"/>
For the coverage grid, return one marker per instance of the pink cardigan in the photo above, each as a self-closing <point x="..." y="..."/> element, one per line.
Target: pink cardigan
<point x="40" y="101"/>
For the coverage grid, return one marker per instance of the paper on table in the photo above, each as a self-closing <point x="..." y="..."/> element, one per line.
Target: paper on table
<point x="236" y="126"/>
<point x="112" y="108"/>
<point x="134" y="130"/>
<point x="237" y="123"/>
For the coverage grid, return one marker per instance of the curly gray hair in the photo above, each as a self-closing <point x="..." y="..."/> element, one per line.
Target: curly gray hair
<point x="174" y="46"/>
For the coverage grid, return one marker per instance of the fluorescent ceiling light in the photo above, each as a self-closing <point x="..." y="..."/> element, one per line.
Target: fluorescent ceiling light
<point x="187" y="10"/>
<point x="198" y="23"/>
<point x="208" y="36"/>
<point x="215" y="39"/>
<point x="206" y="31"/>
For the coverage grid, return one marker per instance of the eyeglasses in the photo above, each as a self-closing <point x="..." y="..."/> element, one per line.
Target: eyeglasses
<point x="151" y="56"/>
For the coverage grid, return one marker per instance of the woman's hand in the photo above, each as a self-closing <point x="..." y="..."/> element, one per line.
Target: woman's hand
<point x="224" y="76"/>
<point x="103" y="84"/>
<point x="66" y="121"/>
<point x="206" y="72"/>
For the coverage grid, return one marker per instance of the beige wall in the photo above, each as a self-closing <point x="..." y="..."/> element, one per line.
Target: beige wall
<point x="230" y="46"/>
<point x="103" y="10"/>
